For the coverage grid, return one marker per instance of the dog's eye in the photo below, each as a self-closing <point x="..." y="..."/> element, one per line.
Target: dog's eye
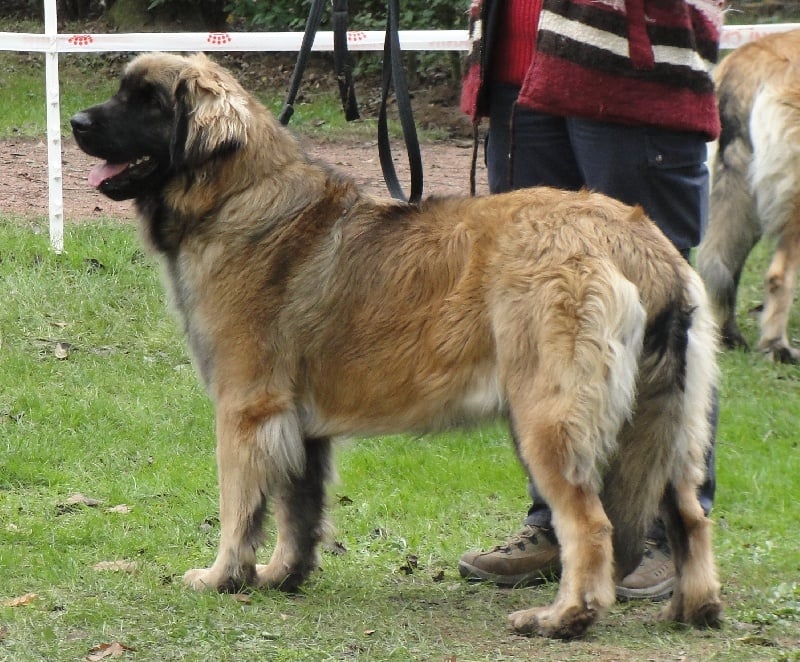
<point x="147" y="96"/>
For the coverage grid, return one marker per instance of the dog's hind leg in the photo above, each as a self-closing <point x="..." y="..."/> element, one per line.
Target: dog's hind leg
<point x="733" y="230"/>
<point x="259" y="449"/>
<point x="586" y="587"/>
<point x="696" y="597"/>
<point x="570" y="373"/>
<point x="299" y="514"/>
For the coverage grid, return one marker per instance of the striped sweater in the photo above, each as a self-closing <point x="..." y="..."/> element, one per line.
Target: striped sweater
<point x="638" y="62"/>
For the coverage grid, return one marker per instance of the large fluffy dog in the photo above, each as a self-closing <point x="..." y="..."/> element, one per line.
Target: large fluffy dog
<point x="313" y="311"/>
<point x="756" y="186"/>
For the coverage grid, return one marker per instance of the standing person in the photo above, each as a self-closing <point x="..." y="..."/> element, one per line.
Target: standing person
<point x="613" y="96"/>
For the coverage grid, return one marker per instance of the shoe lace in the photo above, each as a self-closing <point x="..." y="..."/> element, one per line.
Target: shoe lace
<point x="528" y="534"/>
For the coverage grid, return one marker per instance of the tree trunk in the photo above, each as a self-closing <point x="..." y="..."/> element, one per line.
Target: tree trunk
<point x="179" y="15"/>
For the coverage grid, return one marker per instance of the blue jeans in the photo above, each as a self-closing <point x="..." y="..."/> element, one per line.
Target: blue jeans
<point x="663" y="171"/>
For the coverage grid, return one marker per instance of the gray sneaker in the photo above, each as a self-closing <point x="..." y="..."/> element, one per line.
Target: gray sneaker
<point x="654" y="578"/>
<point x="529" y="557"/>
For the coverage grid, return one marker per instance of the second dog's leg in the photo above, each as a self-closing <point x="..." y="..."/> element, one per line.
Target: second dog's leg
<point x="780" y="284"/>
<point x="733" y="230"/>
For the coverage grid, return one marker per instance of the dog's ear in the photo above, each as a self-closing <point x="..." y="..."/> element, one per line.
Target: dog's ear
<point x="211" y="113"/>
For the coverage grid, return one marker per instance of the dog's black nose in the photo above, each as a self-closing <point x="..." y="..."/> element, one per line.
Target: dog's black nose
<point x="80" y="121"/>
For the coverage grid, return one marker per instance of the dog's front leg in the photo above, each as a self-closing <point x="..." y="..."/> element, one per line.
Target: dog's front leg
<point x="258" y="450"/>
<point x="299" y="514"/>
<point x="780" y="284"/>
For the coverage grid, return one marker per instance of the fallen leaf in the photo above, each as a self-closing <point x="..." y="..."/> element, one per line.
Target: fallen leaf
<point x="21" y="601"/>
<point x="336" y="548"/>
<point x="369" y="633"/>
<point x="243" y="598"/>
<point x="93" y="264"/>
<point x="6" y="416"/>
<point x="74" y="501"/>
<point x="121" y="508"/>
<point x="116" y="566"/>
<point x="102" y="651"/>
<point x="80" y="499"/>
<point x="411" y="564"/>
<point x="61" y="350"/>
<point x="103" y="350"/>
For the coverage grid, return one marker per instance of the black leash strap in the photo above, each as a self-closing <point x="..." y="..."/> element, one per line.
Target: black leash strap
<point x="340" y="57"/>
<point x="393" y="73"/>
<point x="341" y="61"/>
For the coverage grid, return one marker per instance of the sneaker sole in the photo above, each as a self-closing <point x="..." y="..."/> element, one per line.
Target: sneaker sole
<point x="655" y="593"/>
<point x="475" y="574"/>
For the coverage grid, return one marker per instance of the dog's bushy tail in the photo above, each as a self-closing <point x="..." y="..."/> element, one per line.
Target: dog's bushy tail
<point x="669" y="434"/>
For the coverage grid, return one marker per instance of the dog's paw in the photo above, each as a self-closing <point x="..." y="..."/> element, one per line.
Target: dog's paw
<point x="708" y="614"/>
<point x="551" y="622"/>
<point x="783" y="354"/>
<point x="209" y="579"/>
<point x="278" y="576"/>
<point x="778" y="350"/>
<point x="201" y="579"/>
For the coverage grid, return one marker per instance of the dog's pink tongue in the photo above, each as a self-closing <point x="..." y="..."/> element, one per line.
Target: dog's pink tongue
<point x="104" y="171"/>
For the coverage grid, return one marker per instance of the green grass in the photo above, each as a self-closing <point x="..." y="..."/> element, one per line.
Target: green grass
<point x="23" y="110"/>
<point x="122" y="419"/>
<point x="87" y="79"/>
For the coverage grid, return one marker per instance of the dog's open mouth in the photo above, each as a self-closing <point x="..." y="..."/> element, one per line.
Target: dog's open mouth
<point x="122" y="181"/>
<point x="106" y="172"/>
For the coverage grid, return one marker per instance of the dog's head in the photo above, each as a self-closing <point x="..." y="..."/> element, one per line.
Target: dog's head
<point x="170" y="114"/>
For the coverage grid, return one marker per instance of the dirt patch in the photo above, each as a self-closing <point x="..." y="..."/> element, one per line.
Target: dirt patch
<point x="23" y="174"/>
<point x="435" y="92"/>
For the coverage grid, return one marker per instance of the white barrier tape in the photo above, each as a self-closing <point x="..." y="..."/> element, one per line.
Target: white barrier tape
<point x="357" y="40"/>
<point x="734" y="36"/>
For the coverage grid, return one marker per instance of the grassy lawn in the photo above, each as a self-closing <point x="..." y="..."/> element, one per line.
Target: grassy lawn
<point x="97" y="397"/>
<point x="87" y="79"/>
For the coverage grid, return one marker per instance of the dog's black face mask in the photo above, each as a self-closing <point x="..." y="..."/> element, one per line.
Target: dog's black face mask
<point x="132" y="133"/>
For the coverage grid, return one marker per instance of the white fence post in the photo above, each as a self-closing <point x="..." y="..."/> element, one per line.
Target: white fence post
<point x="54" y="170"/>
